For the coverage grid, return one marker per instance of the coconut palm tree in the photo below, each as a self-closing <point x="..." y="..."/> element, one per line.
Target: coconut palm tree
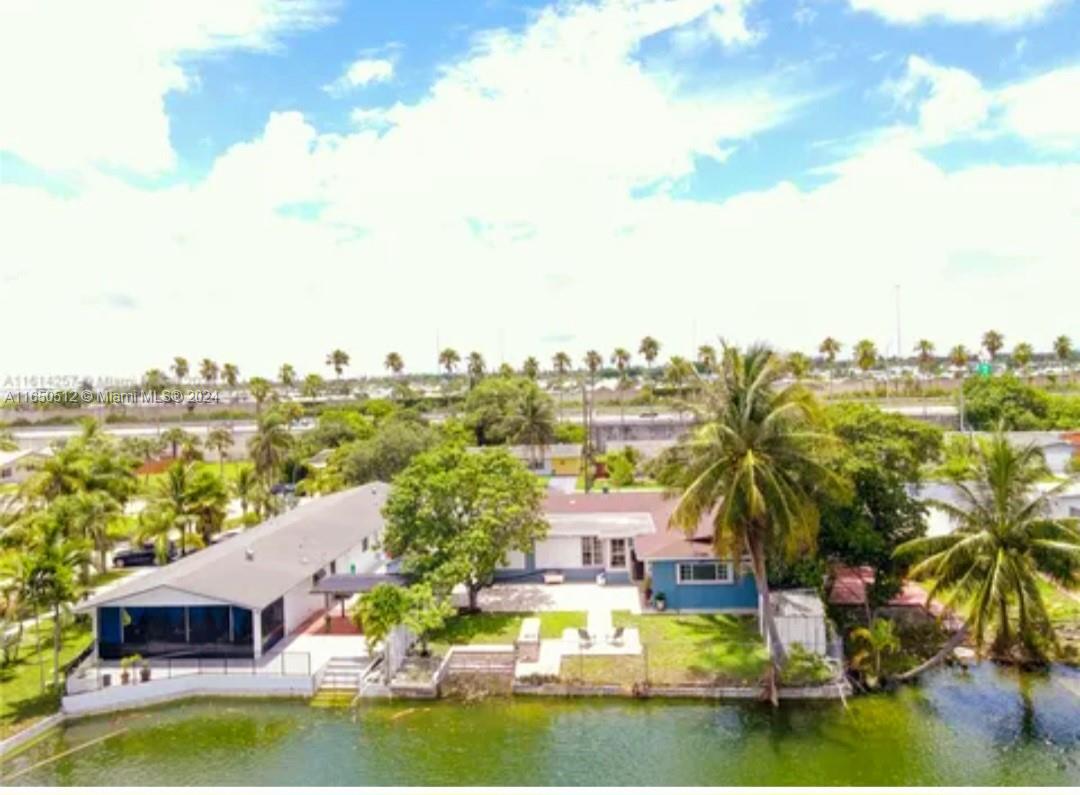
<point x="531" y="368"/>
<point x="208" y="371"/>
<point x="220" y="440"/>
<point x="287" y="375"/>
<point x="176" y="437"/>
<point x="1063" y="350"/>
<point x="475" y="368"/>
<point x="706" y="358"/>
<point x="924" y="351"/>
<point x="650" y="349"/>
<point x="620" y="357"/>
<point x="154" y="381"/>
<point x="394" y="363"/>
<point x="988" y="568"/>
<point x="244" y="485"/>
<point x="449" y="360"/>
<point x="877" y="639"/>
<point x="865" y="355"/>
<point x="753" y="469"/>
<point x="798" y="364"/>
<point x="561" y="364"/>
<point x="1022" y="355"/>
<point x="532" y="423"/>
<point x="268" y="447"/>
<point x="337" y="360"/>
<point x="180" y="368"/>
<point x="830" y="348"/>
<point x="92" y="515"/>
<point x="260" y="390"/>
<point x="231" y="374"/>
<point x="993" y="341"/>
<point x="312" y="386"/>
<point x="959" y="357"/>
<point x="172" y="499"/>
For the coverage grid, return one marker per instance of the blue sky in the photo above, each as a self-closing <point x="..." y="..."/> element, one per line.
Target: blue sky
<point x="262" y="180"/>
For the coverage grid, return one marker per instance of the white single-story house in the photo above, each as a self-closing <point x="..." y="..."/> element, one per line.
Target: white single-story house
<point x="17" y="465"/>
<point x="240" y="597"/>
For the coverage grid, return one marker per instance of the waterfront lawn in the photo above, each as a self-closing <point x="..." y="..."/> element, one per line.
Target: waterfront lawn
<point x="499" y="628"/>
<point x="1061" y="606"/>
<point x="24" y="702"/>
<point x="679" y="649"/>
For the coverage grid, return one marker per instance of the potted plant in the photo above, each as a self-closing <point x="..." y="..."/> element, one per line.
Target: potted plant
<point x="126" y="665"/>
<point x="144" y="672"/>
<point x="648" y="588"/>
<point x="106" y="680"/>
<point x="660" y="601"/>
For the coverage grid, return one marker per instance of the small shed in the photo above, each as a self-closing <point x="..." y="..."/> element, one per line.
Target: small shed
<point x="800" y="618"/>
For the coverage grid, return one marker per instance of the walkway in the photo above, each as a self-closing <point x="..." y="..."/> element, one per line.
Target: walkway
<point x="602" y="643"/>
<point x="533" y="598"/>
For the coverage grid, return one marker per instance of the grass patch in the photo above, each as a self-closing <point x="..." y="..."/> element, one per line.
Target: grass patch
<point x="679" y="649"/>
<point x="149" y="482"/>
<point x="1060" y="605"/>
<point x="499" y="628"/>
<point x="24" y="702"/>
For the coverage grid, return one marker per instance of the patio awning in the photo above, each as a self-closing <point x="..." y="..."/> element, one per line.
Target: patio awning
<point x="355" y="583"/>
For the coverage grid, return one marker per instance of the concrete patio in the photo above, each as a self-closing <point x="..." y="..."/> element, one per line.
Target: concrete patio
<point x="536" y="598"/>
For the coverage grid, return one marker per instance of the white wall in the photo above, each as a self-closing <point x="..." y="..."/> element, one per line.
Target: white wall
<point x="516" y="560"/>
<point x="300" y="605"/>
<point x="562" y="552"/>
<point x="365" y="562"/>
<point x="162" y="597"/>
<point x="127" y="696"/>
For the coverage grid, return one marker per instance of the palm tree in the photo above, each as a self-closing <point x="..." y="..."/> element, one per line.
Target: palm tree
<point x="706" y="358"/>
<point x="208" y="371"/>
<point x="650" y="349"/>
<point x="753" y="469"/>
<point x="988" y="568"/>
<point x="394" y="363"/>
<point x="798" y="364"/>
<point x="287" y="375"/>
<point x="244" y="485"/>
<point x="1063" y="350"/>
<point x="865" y="355"/>
<point x="678" y="372"/>
<point x="475" y="367"/>
<point x="993" y="341"/>
<point x="448" y="360"/>
<point x="337" y="360"/>
<point x="260" y="390"/>
<point x="561" y="364"/>
<point x="830" y="349"/>
<point x="52" y="566"/>
<point x="93" y="513"/>
<point x="176" y="437"/>
<point x="924" y="350"/>
<point x="172" y="499"/>
<point x="220" y="440"/>
<point x="593" y="362"/>
<point x="267" y="448"/>
<point x="7" y="441"/>
<point x="154" y="381"/>
<point x="531" y="368"/>
<point x="959" y="357"/>
<point x="879" y="638"/>
<point x="532" y="423"/>
<point x="620" y="357"/>
<point x="180" y="368"/>
<point x="1022" y="355"/>
<point x="231" y="373"/>
<point x="312" y="386"/>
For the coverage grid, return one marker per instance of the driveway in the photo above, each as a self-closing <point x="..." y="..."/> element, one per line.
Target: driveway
<point x="533" y="598"/>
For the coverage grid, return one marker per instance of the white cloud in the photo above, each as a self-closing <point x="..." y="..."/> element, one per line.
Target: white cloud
<point x="1045" y="109"/>
<point x="726" y="23"/>
<point x="953" y="104"/>
<point x="361" y="73"/>
<point x="994" y="12"/>
<point x="85" y="83"/>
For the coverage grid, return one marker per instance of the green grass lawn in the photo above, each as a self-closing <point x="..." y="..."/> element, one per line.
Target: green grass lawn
<point x="679" y="649"/>
<point x="23" y="701"/>
<point x="149" y="482"/>
<point x="1061" y="606"/>
<point x="492" y="628"/>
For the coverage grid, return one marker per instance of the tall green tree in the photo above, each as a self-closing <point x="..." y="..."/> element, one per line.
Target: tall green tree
<point x="959" y="357"/>
<point x="993" y="342"/>
<point x="924" y="351"/>
<point x="269" y="446"/>
<point x="221" y="441"/>
<point x="706" y="358"/>
<point x="561" y="364"/>
<point x="532" y="422"/>
<point x="208" y="371"/>
<point x="531" y="368"/>
<point x="649" y="349"/>
<point x="231" y="374"/>
<point x="449" y="360"/>
<point x="394" y="363"/>
<point x="154" y="381"/>
<point x="593" y="362"/>
<point x="1005" y="537"/>
<point x="180" y="368"/>
<point x="1022" y="355"/>
<point x="287" y="375"/>
<point x="830" y="348"/>
<point x="261" y="390"/>
<point x="313" y="385"/>
<point x="454" y="517"/>
<point x="755" y="466"/>
<point x="475" y="368"/>
<point x="337" y="360"/>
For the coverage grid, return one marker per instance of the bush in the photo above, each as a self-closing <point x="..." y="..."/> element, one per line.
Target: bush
<point x="804" y="668"/>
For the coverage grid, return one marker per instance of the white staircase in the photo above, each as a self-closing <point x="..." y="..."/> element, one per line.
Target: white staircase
<point x="344" y="673"/>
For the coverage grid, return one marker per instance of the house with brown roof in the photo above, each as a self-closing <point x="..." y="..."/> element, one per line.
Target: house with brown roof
<point x="626" y="537"/>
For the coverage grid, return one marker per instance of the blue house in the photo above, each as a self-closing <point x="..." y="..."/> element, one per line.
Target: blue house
<point x="690" y="577"/>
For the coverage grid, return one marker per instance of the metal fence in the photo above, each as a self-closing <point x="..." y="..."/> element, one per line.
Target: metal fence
<point x="98" y="674"/>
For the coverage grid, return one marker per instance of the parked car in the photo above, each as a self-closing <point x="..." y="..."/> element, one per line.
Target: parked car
<point x="281" y="489"/>
<point x="145" y="555"/>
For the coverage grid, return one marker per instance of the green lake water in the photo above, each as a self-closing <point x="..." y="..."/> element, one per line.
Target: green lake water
<point x="985" y="727"/>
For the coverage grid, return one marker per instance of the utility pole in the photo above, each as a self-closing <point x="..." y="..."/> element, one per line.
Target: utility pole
<point x="586" y="447"/>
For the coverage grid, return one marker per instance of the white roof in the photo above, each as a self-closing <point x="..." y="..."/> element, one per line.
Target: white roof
<point x="605" y="525"/>
<point x="11" y="456"/>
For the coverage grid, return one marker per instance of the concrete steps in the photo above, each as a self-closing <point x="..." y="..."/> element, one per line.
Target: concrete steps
<point x="343" y="674"/>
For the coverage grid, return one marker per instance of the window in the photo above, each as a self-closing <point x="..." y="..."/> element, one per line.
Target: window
<point x="6" y="472"/>
<point x="592" y="551"/>
<point x="273" y="623"/>
<point x="364" y="544"/>
<point x="618" y="553"/>
<point x="705" y="573"/>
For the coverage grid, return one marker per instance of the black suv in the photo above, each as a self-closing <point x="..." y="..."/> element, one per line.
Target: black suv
<point x="145" y="555"/>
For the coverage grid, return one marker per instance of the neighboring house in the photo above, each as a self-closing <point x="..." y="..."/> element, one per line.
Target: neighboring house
<point x="17" y="465"/>
<point x="848" y="591"/>
<point x="554" y="459"/>
<point x="624" y="535"/>
<point x="240" y="597"/>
